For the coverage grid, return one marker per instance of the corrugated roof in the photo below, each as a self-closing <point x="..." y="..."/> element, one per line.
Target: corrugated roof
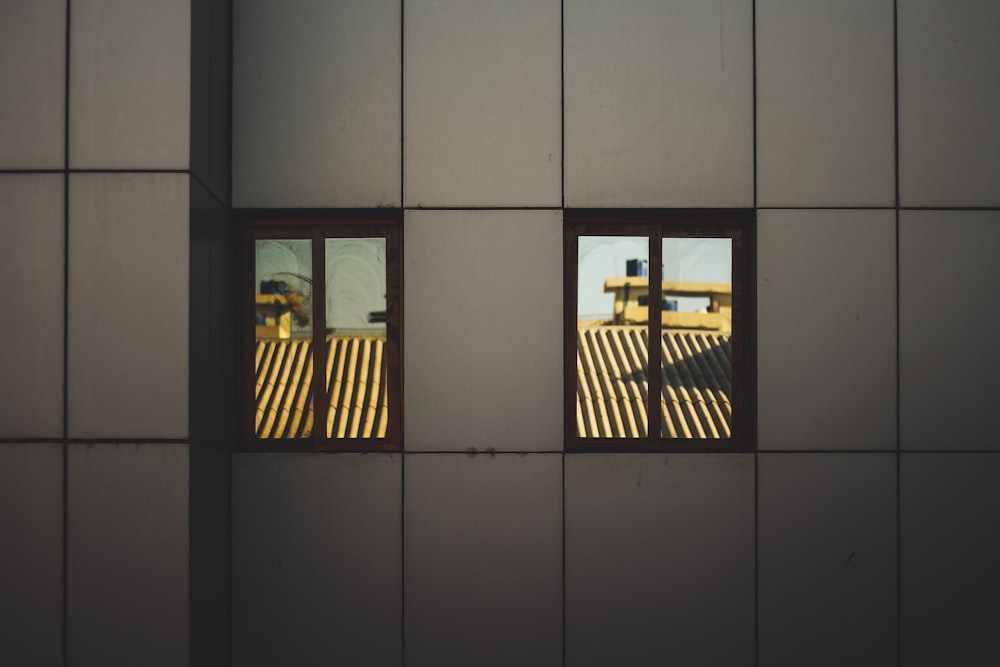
<point x="355" y="383"/>
<point x="612" y="383"/>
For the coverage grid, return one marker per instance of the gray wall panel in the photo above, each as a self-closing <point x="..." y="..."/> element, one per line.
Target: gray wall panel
<point x="130" y="84"/>
<point x="31" y="517"/>
<point x="32" y="80"/>
<point x="659" y="559"/>
<point x="316" y="103"/>
<point x="482" y="103"/>
<point x="948" y="362"/>
<point x="127" y="532"/>
<point x="32" y="268"/>
<point x="658" y="103"/>
<point x="316" y="559"/>
<point x="827" y="549"/>
<point x="482" y="552"/>
<point x="949" y="504"/>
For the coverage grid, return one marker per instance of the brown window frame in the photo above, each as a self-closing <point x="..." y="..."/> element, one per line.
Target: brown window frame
<point x="738" y="224"/>
<point x="318" y="226"/>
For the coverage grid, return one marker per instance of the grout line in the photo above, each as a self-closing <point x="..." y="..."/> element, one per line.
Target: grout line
<point x="129" y="171"/>
<point x="402" y="453"/>
<point x="910" y="452"/>
<point x="806" y="207"/>
<point x="753" y="51"/>
<point x="948" y="208"/>
<point x="402" y="558"/>
<point x="231" y="111"/>
<point x="562" y="460"/>
<point x="65" y="350"/>
<point x="570" y="208"/>
<point x="602" y="452"/>
<point x="756" y="456"/>
<point x="98" y="441"/>
<point x="756" y="558"/>
<point x="827" y="451"/>
<point x="562" y="110"/>
<point x="895" y="98"/>
<point x="899" y="563"/>
<point x="481" y="208"/>
<point x="899" y="560"/>
<point x="881" y="451"/>
<point x="33" y="171"/>
<point x="402" y="104"/>
<point x="9" y="441"/>
<point x="880" y="208"/>
<point x="232" y="236"/>
<point x="480" y="452"/>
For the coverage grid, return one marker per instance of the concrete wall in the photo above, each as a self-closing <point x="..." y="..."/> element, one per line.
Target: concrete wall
<point x="863" y="133"/>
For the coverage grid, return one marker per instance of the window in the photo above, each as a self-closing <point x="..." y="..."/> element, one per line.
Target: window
<point x="321" y="298"/>
<point x="688" y="333"/>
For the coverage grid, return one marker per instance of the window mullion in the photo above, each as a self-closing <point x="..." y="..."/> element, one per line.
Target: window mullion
<point x="248" y="278"/>
<point x="654" y="373"/>
<point x="394" y="333"/>
<point x="320" y="401"/>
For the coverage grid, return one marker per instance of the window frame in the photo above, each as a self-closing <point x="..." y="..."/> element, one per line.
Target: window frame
<point x="657" y="224"/>
<point x="317" y="226"/>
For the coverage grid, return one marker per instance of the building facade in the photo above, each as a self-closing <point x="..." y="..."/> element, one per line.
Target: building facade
<point x="861" y="530"/>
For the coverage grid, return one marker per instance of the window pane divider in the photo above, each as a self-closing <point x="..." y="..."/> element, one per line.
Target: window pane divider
<point x="654" y="369"/>
<point x="320" y="400"/>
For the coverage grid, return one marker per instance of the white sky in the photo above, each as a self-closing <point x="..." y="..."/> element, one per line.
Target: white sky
<point x="355" y="277"/>
<point x="602" y="257"/>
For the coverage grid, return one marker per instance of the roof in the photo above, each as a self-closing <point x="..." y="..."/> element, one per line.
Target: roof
<point x="355" y="383"/>
<point x="612" y="383"/>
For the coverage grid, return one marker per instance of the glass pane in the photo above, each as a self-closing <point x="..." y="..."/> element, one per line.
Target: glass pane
<point x="612" y="334"/>
<point x="696" y="350"/>
<point x="356" y="360"/>
<point x="283" y="359"/>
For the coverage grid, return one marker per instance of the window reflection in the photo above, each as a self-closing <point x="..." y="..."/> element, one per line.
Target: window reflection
<point x="283" y="329"/>
<point x="614" y="312"/>
<point x="612" y="353"/>
<point x="356" y="358"/>
<point x="284" y="288"/>
<point x="696" y="352"/>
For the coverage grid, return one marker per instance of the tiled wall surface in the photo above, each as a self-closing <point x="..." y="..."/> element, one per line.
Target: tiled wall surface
<point x="31" y="258"/>
<point x="657" y="544"/>
<point x="949" y="149"/>
<point x="31" y="588"/>
<point x="862" y="132"/>
<point x="826" y="281"/>
<point x="825" y="95"/>
<point x="129" y="84"/>
<point x="481" y="576"/>
<point x="949" y="546"/>
<point x="827" y="564"/>
<point x="128" y="307"/>
<point x="873" y="319"/>
<point x="33" y="72"/>
<point x="658" y="103"/>
<point x="326" y="131"/>
<point x="96" y="247"/>
<point x="472" y="359"/>
<point x="127" y="540"/>
<point x="319" y="558"/>
<point x="945" y="393"/>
